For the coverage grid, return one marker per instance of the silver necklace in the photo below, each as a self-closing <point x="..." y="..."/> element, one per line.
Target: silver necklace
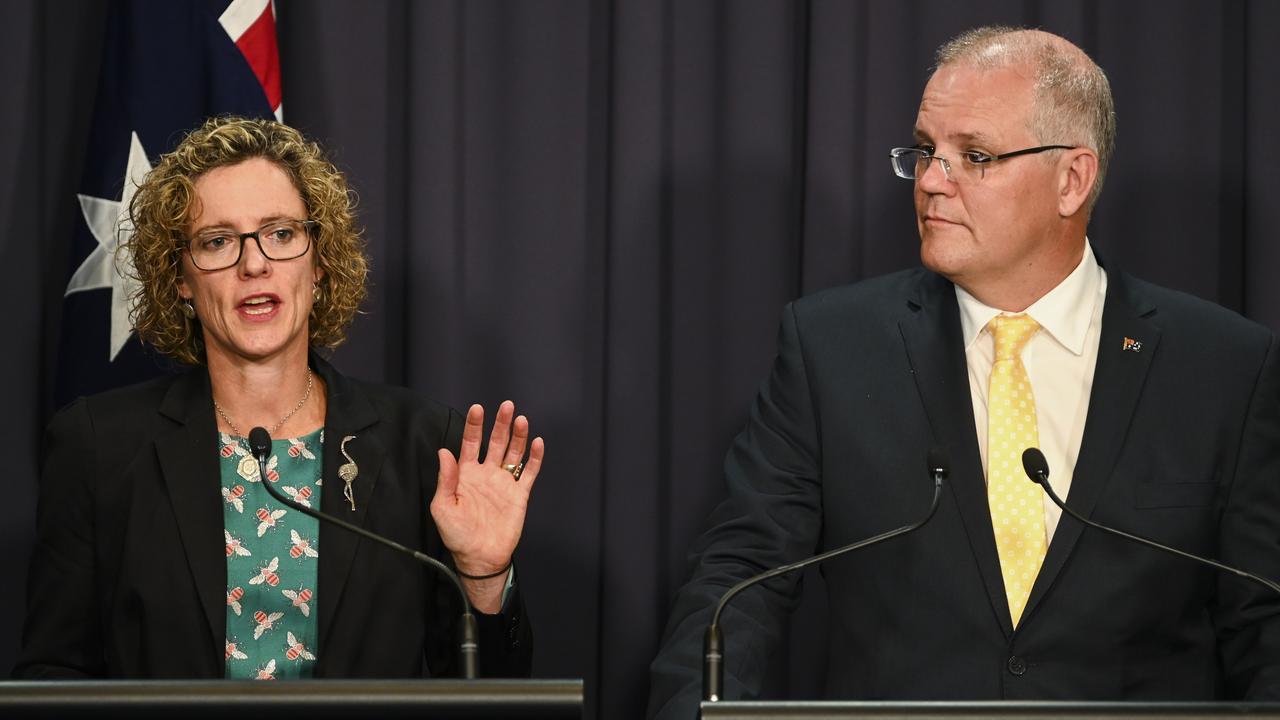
<point x="223" y="413"/>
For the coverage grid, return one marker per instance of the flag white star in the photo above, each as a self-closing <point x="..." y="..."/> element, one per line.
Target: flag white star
<point x="109" y="222"/>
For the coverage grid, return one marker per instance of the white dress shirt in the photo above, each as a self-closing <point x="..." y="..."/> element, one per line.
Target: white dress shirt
<point x="1060" y="359"/>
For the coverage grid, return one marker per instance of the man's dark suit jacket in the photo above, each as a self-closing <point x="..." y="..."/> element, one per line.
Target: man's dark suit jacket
<point x="1181" y="444"/>
<point x="128" y="578"/>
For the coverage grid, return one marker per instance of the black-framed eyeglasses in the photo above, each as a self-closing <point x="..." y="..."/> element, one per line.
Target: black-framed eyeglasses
<point x="220" y="248"/>
<point x="913" y="162"/>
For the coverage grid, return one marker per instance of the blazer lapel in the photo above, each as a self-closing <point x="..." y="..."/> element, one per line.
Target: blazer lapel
<point x="935" y="349"/>
<point x="1117" y="386"/>
<point x="349" y="415"/>
<point x="188" y="462"/>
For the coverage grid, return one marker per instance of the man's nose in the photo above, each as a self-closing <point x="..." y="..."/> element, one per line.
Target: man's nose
<point x="936" y="180"/>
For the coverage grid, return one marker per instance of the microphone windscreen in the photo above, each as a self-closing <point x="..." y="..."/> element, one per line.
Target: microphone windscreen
<point x="938" y="461"/>
<point x="260" y="442"/>
<point x="1036" y="467"/>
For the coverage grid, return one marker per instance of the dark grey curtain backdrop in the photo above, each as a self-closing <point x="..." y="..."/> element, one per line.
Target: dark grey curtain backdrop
<point x="599" y="208"/>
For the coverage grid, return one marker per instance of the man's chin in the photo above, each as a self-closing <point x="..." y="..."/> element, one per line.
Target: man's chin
<point x="943" y="270"/>
<point x="944" y="256"/>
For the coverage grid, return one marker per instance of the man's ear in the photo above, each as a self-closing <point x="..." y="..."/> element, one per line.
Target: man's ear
<point x="1076" y="180"/>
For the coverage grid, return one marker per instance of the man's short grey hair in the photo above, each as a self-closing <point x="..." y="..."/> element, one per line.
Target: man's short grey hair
<point x="1073" y="104"/>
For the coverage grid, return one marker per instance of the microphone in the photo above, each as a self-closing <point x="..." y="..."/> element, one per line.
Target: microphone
<point x="468" y="649"/>
<point x="1037" y="468"/>
<point x="713" y="641"/>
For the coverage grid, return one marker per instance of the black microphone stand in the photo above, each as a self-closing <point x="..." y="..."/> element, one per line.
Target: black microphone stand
<point x="713" y="641"/>
<point x="1037" y="469"/>
<point x="468" y="648"/>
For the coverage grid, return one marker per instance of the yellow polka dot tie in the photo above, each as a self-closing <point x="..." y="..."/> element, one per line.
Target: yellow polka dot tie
<point x="1017" y="511"/>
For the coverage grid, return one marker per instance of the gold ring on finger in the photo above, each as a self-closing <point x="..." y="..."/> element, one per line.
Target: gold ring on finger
<point x="514" y="468"/>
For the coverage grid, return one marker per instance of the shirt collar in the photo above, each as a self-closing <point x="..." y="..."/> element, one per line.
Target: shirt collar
<point x="1064" y="312"/>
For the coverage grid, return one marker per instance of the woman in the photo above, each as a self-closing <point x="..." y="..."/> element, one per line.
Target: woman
<point x="161" y="555"/>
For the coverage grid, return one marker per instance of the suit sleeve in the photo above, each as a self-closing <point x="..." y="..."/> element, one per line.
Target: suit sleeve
<point x="771" y="516"/>
<point x="1247" y="615"/>
<point x="62" y="638"/>
<point x="505" y="638"/>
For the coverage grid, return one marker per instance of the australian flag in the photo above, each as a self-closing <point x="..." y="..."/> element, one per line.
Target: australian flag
<point x="166" y="66"/>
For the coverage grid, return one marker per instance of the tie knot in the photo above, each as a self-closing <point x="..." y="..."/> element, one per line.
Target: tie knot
<point x="1012" y="333"/>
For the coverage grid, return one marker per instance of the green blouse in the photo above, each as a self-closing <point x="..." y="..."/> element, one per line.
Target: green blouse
<point x="272" y="556"/>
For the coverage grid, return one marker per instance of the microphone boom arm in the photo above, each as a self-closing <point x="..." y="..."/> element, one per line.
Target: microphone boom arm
<point x="1042" y="479"/>
<point x="468" y="650"/>
<point x="713" y="640"/>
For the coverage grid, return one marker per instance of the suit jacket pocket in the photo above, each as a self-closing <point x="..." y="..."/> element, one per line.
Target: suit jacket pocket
<point x="1176" y="494"/>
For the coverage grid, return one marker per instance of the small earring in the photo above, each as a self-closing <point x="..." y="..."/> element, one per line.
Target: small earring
<point x="315" y="292"/>
<point x="188" y="310"/>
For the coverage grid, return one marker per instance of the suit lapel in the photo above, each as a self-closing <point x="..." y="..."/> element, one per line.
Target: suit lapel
<point x="935" y="349"/>
<point x="349" y="414"/>
<point x="1117" y="386"/>
<point x="189" y="463"/>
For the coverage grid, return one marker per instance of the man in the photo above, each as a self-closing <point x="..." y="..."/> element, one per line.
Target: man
<point x="1158" y="413"/>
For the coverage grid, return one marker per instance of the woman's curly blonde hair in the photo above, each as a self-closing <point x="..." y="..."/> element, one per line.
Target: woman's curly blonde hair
<point x="161" y="212"/>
